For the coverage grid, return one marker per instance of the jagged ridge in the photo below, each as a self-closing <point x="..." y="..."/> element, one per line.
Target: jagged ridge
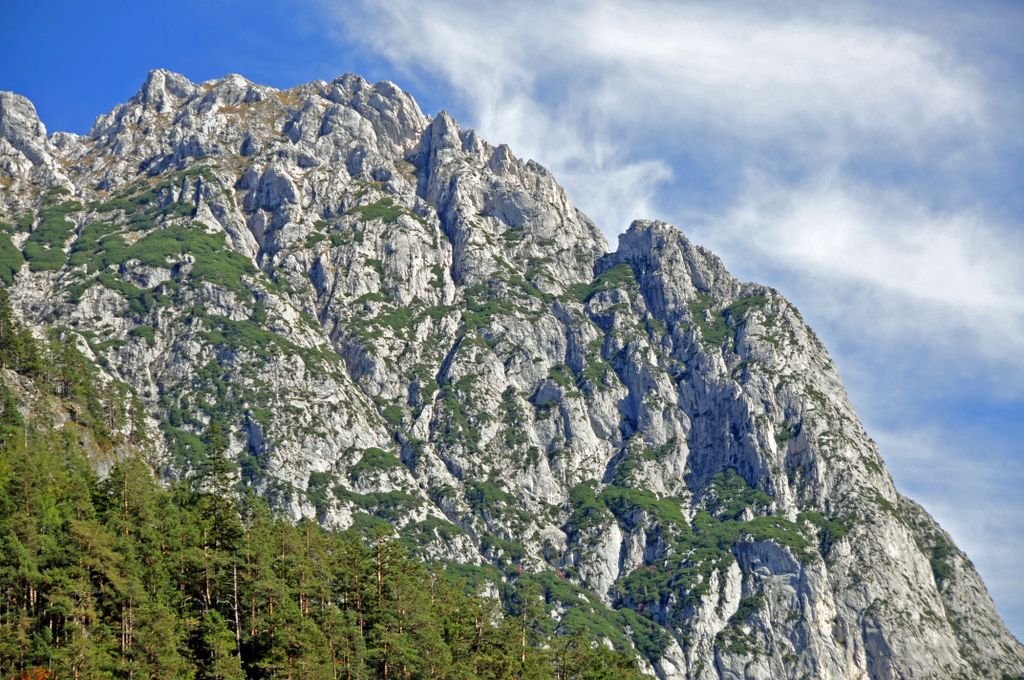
<point x="399" y="322"/>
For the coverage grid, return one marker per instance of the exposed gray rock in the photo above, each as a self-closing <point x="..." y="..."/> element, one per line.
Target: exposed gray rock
<point x="394" y="319"/>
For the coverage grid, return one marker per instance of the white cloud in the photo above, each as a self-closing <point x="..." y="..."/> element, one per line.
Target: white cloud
<point x="556" y="80"/>
<point x="620" y="194"/>
<point x="884" y="266"/>
<point x="758" y="76"/>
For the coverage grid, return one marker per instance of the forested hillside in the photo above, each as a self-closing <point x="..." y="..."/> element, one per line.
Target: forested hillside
<point x="126" y="577"/>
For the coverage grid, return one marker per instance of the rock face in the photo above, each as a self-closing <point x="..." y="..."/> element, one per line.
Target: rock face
<point x="396" y="321"/>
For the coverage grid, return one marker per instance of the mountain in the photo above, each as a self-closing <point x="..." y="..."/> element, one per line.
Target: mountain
<point x="397" y="324"/>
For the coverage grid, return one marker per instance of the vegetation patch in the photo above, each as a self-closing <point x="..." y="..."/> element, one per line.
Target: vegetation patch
<point x="596" y="372"/>
<point x="733" y="639"/>
<point x="438" y="272"/>
<point x="660" y="453"/>
<point x="373" y="461"/>
<point x="562" y="375"/>
<point x="619" y="276"/>
<point x="388" y="506"/>
<point x="11" y="260"/>
<point x="393" y="413"/>
<point x="621" y="501"/>
<point x="252" y="337"/>
<point x="785" y="432"/>
<point x="514" y="434"/>
<point x="493" y="504"/>
<point x="716" y="327"/>
<point x="683" y="575"/>
<point x="485" y="301"/>
<point x="739" y="309"/>
<point x="730" y="496"/>
<point x="587" y="511"/>
<point x="487" y="496"/>
<point x="44" y="248"/>
<point x="385" y="209"/>
<point x="418" y="535"/>
<point x="938" y="556"/>
<point x="830" y="530"/>
<point x="503" y="552"/>
<point x="712" y="326"/>
<point x="140" y="194"/>
<point x="459" y="430"/>
<point x="214" y="261"/>
<point x="317" y="489"/>
<point x="584" y="615"/>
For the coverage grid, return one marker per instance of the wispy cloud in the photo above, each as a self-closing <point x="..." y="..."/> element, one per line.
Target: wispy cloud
<point x="887" y="266"/>
<point x="752" y="73"/>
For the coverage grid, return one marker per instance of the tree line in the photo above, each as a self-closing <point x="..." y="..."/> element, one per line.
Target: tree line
<point x="131" y="576"/>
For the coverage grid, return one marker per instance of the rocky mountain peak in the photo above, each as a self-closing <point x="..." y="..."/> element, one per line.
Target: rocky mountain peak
<point x="675" y="270"/>
<point x="397" y="324"/>
<point x="163" y="90"/>
<point x="24" y="147"/>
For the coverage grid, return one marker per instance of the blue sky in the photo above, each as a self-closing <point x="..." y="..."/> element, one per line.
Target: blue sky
<point x="867" y="161"/>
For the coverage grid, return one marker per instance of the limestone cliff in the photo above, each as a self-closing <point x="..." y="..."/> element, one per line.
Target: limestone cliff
<point x="396" y="321"/>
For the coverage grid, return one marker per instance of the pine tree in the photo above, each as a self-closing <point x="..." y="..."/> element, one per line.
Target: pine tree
<point x="19" y="351"/>
<point x="219" y="653"/>
<point x="12" y="425"/>
<point x="158" y="645"/>
<point x="353" y="593"/>
<point x="136" y="422"/>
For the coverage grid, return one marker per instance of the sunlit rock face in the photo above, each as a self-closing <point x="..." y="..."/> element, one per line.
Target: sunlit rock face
<point x="399" y="323"/>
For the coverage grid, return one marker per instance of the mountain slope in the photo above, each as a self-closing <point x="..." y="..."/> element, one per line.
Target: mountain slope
<point x="122" y="577"/>
<point x="396" y="321"/>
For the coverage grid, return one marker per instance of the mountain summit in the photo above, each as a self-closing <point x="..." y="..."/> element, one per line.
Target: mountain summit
<point x="395" y="323"/>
